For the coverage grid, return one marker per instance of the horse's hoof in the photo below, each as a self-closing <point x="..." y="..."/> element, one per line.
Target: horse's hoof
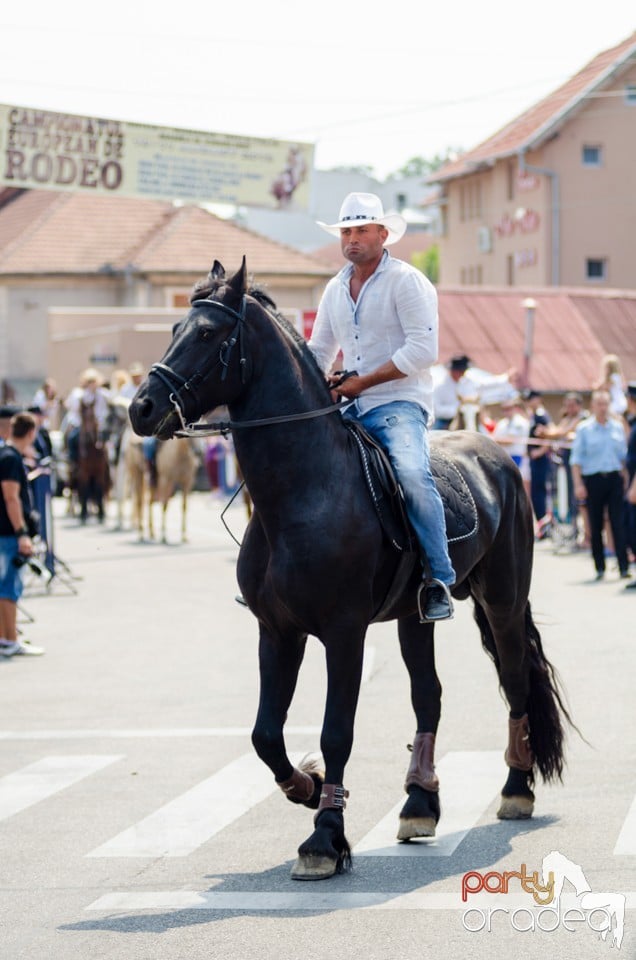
<point x="411" y="827"/>
<point x="313" y="867"/>
<point x="515" y="808"/>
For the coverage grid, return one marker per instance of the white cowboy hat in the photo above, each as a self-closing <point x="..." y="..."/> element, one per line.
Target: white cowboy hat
<point x="360" y="208"/>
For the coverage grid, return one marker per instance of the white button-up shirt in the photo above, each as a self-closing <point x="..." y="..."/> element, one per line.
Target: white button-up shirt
<point x="394" y="318"/>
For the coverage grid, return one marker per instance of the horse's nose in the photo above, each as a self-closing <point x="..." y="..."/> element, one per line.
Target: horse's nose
<point x="141" y="415"/>
<point x="145" y="408"/>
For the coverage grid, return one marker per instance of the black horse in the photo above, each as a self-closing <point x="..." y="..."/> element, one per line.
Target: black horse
<point x="314" y="560"/>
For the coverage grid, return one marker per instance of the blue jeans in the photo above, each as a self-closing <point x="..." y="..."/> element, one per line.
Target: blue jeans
<point x="400" y="428"/>
<point x="11" y="585"/>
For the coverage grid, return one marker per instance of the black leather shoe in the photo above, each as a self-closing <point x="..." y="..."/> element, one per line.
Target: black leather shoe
<point x="434" y="602"/>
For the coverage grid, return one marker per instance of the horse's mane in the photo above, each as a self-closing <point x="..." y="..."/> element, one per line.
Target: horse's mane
<point x="203" y="290"/>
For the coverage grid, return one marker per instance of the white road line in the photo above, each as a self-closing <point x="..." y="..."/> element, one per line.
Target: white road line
<point x="626" y="843"/>
<point x="143" y="734"/>
<point x="188" y="821"/>
<point x="42" y="779"/>
<point x="468" y="783"/>
<point x="314" y="899"/>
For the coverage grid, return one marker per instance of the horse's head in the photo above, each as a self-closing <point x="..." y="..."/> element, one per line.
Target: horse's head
<point x="206" y="364"/>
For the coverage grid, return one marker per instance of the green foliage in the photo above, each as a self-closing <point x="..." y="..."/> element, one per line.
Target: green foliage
<point x="421" y="166"/>
<point x="428" y="262"/>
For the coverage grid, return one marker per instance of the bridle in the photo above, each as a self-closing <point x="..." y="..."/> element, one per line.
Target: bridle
<point x="184" y="391"/>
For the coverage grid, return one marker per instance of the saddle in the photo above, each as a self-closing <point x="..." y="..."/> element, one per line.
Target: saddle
<point x="460" y="512"/>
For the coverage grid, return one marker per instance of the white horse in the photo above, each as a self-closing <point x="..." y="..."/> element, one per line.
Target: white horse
<point x="613" y="904"/>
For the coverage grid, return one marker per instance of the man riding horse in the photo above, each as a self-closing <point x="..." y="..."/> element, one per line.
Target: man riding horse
<point x="382" y="313"/>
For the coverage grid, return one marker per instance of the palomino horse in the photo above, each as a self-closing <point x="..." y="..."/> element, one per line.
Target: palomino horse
<point x="314" y="560"/>
<point x="176" y="466"/>
<point x="176" y="469"/>
<point x="92" y="474"/>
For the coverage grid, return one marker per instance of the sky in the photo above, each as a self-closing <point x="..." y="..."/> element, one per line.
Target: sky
<point x="368" y="84"/>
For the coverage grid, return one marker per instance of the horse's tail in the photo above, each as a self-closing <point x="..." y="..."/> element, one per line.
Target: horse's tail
<point x="546" y="709"/>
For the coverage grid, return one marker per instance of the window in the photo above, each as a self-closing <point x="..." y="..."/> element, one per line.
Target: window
<point x="595" y="269"/>
<point x="591" y="156"/>
<point x="511" y="175"/>
<point x="630" y="93"/>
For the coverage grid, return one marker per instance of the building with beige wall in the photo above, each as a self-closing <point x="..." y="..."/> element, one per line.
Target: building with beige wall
<point x="550" y="199"/>
<point x="83" y="277"/>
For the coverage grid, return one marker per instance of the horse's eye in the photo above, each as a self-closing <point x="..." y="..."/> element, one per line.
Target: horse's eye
<point x="205" y="334"/>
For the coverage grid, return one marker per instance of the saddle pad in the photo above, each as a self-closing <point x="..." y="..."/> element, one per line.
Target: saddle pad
<point x="459" y="506"/>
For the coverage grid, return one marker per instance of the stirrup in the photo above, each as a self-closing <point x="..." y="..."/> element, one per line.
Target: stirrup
<point x="424" y="585"/>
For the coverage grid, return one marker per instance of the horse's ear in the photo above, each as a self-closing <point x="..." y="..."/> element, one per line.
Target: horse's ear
<point x="239" y="280"/>
<point x="217" y="272"/>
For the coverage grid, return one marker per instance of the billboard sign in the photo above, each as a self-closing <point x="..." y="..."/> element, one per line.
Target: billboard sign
<point x="47" y="150"/>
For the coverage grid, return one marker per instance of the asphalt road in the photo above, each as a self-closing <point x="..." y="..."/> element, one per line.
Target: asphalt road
<point x="137" y="823"/>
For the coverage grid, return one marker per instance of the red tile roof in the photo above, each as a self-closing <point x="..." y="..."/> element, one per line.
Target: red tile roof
<point x="573" y="330"/>
<point x="46" y="232"/>
<point x="538" y="122"/>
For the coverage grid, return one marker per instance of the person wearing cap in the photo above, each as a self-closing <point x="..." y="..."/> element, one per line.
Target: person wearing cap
<point x="630" y="463"/>
<point x="382" y="314"/>
<point x="458" y="387"/>
<point x="598" y="468"/>
<point x="7" y="411"/>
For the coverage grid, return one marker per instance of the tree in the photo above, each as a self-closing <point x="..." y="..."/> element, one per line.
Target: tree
<point x="428" y="262"/>
<point x="421" y="166"/>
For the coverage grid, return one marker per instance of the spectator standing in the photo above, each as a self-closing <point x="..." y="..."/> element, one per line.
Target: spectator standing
<point x="630" y="463"/>
<point x="15" y="542"/>
<point x="611" y="379"/>
<point x="47" y="399"/>
<point x="513" y="429"/>
<point x="538" y="454"/>
<point x="135" y="377"/>
<point x="572" y="414"/>
<point x="598" y="461"/>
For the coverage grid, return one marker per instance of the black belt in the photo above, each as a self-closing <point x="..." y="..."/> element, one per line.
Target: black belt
<point x="603" y="473"/>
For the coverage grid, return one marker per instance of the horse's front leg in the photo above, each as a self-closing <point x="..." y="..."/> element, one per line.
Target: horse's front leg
<point x="327" y="851"/>
<point x="279" y="663"/>
<point x="420" y="813"/>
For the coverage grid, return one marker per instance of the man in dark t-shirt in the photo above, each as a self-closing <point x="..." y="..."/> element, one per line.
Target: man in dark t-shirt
<point x="630" y="463"/>
<point x="15" y="542"/>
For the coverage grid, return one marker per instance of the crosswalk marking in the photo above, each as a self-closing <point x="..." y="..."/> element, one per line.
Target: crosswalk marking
<point x="470" y="781"/>
<point x="310" y="899"/>
<point x="182" y="825"/>
<point x="45" y="777"/>
<point x="626" y="843"/>
<point x="144" y="734"/>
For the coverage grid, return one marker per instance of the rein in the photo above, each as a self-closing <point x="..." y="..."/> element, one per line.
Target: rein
<point x="224" y="426"/>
